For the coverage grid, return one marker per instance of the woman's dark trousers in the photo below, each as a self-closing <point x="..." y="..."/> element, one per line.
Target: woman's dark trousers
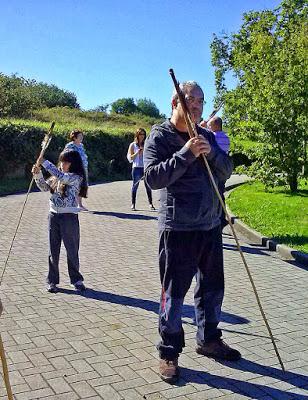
<point x="137" y="174"/>
<point x="63" y="227"/>
<point x="182" y="255"/>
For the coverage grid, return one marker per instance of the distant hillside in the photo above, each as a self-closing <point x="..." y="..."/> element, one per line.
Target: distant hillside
<point x="67" y="119"/>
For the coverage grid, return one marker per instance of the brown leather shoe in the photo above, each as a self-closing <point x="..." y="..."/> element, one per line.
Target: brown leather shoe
<point x="169" y="370"/>
<point x="218" y="349"/>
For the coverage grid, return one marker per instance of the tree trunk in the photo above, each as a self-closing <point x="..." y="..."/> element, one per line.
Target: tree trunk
<point x="292" y="181"/>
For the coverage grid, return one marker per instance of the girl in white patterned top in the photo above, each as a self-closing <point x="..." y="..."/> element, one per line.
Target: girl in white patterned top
<point x="65" y="185"/>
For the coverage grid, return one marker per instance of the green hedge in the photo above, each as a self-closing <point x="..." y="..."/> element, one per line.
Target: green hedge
<point x="20" y="146"/>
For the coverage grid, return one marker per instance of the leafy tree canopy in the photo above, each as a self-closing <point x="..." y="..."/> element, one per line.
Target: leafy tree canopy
<point x="52" y="96"/>
<point x="268" y="56"/>
<point x="125" y="105"/>
<point x="147" y="107"/>
<point x="20" y="96"/>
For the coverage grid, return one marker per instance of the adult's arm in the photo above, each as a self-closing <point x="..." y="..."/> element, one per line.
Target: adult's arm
<point x="130" y="153"/>
<point x="161" y="169"/>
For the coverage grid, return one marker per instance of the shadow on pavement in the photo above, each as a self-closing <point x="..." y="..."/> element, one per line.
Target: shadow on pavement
<point x="245" y="249"/>
<point x="248" y="388"/>
<point x="148" y="305"/>
<point x="261" y="250"/>
<point x="123" y="215"/>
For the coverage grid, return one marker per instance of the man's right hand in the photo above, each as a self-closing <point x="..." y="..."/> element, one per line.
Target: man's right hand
<point x="198" y="145"/>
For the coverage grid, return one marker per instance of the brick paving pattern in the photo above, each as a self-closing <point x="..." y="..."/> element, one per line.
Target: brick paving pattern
<point x="101" y="345"/>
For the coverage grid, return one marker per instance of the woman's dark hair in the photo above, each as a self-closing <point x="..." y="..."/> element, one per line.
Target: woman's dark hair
<point x="75" y="133"/>
<point x="137" y="133"/>
<point x="76" y="167"/>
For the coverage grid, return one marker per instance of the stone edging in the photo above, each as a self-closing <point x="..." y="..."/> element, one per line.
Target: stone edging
<point x="285" y="252"/>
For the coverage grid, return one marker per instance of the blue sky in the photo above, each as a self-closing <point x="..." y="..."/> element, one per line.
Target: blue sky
<point x="103" y="50"/>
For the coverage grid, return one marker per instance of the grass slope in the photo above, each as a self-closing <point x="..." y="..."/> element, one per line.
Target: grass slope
<point x="277" y="214"/>
<point x="67" y="119"/>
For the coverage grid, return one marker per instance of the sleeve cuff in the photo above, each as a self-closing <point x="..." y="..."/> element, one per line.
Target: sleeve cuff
<point x="186" y="154"/>
<point x="211" y="154"/>
<point x="39" y="175"/>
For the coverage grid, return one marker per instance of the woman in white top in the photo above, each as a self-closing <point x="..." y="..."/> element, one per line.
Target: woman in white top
<point x="135" y="156"/>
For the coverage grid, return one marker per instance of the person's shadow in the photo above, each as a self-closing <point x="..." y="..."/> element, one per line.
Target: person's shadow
<point x="249" y="388"/>
<point x="123" y="215"/>
<point x="148" y="305"/>
<point x="245" y="249"/>
<point x="237" y="386"/>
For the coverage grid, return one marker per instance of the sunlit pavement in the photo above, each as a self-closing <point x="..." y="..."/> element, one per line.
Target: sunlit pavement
<point x="101" y="345"/>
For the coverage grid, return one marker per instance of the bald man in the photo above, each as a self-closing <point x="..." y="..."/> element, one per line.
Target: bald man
<point x="215" y="125"/>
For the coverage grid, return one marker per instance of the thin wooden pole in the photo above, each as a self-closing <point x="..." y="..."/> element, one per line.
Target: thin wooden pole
<point x="45" y="144"/>
<point x="5" y="372"/>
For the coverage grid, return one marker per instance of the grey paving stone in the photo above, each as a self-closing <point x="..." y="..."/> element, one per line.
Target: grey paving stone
<point x="102" y="345"/>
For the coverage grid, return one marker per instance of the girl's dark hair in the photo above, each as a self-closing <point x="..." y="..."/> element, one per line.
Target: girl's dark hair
<point x="76" y="167"/>
<point x="137" y="133"/>
<point x="75" y="133"/>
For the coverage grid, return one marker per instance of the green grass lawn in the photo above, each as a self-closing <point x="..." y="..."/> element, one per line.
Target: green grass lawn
<point x="277" y="214"/>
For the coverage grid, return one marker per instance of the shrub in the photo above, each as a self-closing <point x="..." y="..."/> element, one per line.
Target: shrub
<point x="20" y="146"/>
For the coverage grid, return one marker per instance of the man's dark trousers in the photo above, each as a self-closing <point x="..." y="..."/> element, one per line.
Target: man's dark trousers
<point x="182" y="255"/>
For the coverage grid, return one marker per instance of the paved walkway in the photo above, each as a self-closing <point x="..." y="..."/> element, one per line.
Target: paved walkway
<point x="66" y="346"/>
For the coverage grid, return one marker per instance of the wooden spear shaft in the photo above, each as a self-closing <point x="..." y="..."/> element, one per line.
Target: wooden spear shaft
<point x="2" y="353"/>
<point x="5" y="372"/>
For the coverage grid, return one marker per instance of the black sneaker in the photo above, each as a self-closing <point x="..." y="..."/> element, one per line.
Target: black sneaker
<point x="52" y="288"/>
<point x="218" y="349"/>
<point x="152" y="208"/>
<point x="80" y="287"/>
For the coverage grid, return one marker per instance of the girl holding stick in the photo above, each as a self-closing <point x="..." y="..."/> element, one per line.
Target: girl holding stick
<point x="65" y="184"/>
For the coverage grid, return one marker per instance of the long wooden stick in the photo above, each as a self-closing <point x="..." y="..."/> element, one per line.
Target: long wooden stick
<point x="214" y="112"/>
<point x="5" y="372"/>
<point x="191" y="127"/>
<point x="45" y="144"/>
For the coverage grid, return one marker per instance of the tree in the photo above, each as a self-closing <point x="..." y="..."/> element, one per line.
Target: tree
<point x="15" y="97"/>
<point x="102" y="108"/>
<point x="20" y="96"/>
<point x="52" y="96"/>
<point x="268" y="57"/>
<point x="147" y="107"/>
<point x="125" y="105"/>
